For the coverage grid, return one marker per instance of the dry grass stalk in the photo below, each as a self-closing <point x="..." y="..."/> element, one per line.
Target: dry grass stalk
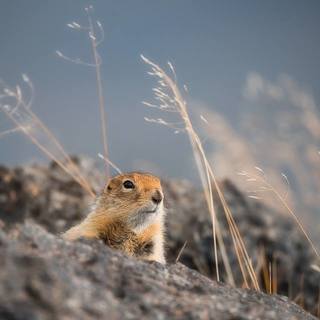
<point x="274" y="277"/>
<point x="199" y="154"/>
<point x="110" y="163"/>
<point x="27" y="121"/>
<point x="180" y="251"/>
<point x="98" y="61"/>
<point x="95" y="38"/>
<point x="13" y="130"/>
<point x="266" y="186"/>
<point x="239" y="245"/>
<point x="171" y="100"/>
<point x="270" y="278"/>
<point x="224" y="255"/>
<point x="265" y="270"/>
<point x="318" y="305"/>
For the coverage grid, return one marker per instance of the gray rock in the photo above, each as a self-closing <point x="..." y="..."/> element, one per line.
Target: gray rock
<point x="49" y="197"/>
<point x="44" y="277"/>
<point x="263" y="230"/>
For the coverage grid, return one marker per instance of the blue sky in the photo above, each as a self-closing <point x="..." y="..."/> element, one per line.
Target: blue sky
<point x="214" y="45"/>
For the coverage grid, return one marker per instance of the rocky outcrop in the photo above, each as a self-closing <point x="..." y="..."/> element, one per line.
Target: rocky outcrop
<point x="44" y="277"/>
<point x="269" y="235"/>
<point x="50" y="198"/>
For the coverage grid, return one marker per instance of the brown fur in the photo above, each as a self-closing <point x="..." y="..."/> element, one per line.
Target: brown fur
<point x="123" y="218"/>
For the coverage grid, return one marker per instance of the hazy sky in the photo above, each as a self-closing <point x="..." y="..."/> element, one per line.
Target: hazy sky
<point x="214" y="45"/>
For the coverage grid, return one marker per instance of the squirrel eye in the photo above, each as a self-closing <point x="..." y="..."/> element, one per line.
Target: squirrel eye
<point x="128" y="184"/>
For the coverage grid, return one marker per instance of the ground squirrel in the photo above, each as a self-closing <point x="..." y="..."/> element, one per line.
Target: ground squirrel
<point x="128" y="215"/>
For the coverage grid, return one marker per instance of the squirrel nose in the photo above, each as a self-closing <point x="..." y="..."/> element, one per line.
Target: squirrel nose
<point x="157" y="197"/>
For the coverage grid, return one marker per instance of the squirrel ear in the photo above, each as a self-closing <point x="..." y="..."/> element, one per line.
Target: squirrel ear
<point x="110" y="185"/>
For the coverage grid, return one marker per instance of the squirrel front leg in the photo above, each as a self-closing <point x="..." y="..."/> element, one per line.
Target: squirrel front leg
<point x="83" y="230"/>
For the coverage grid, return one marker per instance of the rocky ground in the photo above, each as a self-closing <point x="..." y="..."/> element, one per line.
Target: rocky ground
<point x="43" y="277"/>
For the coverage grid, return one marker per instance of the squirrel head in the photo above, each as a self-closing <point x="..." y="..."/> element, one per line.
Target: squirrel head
<point x="135" y="198"/>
